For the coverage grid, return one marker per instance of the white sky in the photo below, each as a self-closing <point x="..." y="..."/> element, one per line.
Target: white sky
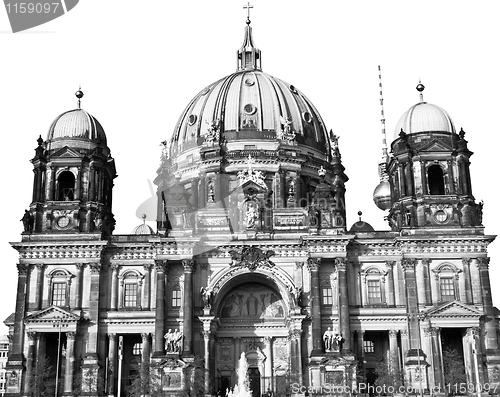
<point x="140" y="62"/>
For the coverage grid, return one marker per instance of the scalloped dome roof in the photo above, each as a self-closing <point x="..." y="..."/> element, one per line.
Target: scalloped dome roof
<point x="250" y="104"/>
<point x="424" y="117"/>
<point x="77" y="124"/>
<point x="143" y="229"/>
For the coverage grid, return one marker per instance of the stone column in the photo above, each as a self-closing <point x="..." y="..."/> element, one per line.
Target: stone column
<point x="208" y="378"/>
<point x="194" y="191"/>
<point x="344" y="316"/>
<point x="161" y="267"/>
<point x="17" y="339"/>
<point x="268" y="368"/>
<point x="435" y="355"/>
<point x="147" y="286"/>
<point x="427" y="281"/>
<point x="202" y="199"/>
<point x="490" y="331"/>
<point x="95" y="275"/>
<point x="390" y="283"/>
<point x="70" y="362"/>
<point x="39" y="285"/>
<point x="405" y="346"/>
<point x="402" y="180"/>
<point x="112" y="364"/>
<point x="393" y="350"/>
<point x="187" y="325"/>
<point x="467" y="280"/>
<point x="451" y="182"/>
<point x="296" y="356"/>
<point x="78" y="285"/>
<point x="411" y="301"/>
<point x="477" y="371"/>
<point x="313" y="265"/>
<point x="419" y="279"/>
<point x="424" y="177"/>
<point x="30" y="361"/>
<point x="146" y="350"/>
<point x="114" y="286"/>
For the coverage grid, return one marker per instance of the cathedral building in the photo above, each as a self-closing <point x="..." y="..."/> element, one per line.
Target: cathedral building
<point x="252" y="255"/>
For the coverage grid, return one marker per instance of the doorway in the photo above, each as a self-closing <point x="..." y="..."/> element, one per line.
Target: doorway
<point x="254" y="380"/>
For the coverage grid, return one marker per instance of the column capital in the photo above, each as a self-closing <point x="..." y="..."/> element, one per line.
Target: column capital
<point x="95" y="268"/>
<point x="473" y="331"/>
<point x="71" y="335"/>
<point x="299" y="265"/>
<point x="80" y="265"/>
<point x="161" y="265"/>
<point x="22" y="269"/>
<point x="40" y="266"/>
<point x="390" y="264"/>
<point x="341" y="263"/>
<point x="426" y="261"/>
<point x="313" y="264"/>
<point x="408" y="264"/>
<point x="466" y="261"/>
<point x="206" y="335"/>
<point x="404" y="333"/>
<point x="112" y="337"/>
<point x="431" y="331"/>
<point x="483" y="263"/>
<point x="188" y="265"/>
<point x="295" y="334"/>
<point x="144" y="337"/>
<point x="31" y="336"/>
<point x="147" y="267"/>
<point x="393" y="333"/>
<point x="268" y="340"/>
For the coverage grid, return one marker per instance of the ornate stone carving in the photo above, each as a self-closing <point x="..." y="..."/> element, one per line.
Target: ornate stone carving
<point x="313" y="264"/>
<point x="188" y="265"/>
<point x="483" y="263"/>
<point x="250" y="174"/>
<point x="144" y="337"/>
<point x="408" y="264"/>
<point x="71" y="335"/>
<point x="95" y="268"/>
<point x="393" y="333"/>
<point x="390" y="264"/>
<point x="22" y="269"/>
<point x="466" y="261"/>
<point x="340" y="263"/>
<point x="251" y="257"/>
<point x="161" y="265"/>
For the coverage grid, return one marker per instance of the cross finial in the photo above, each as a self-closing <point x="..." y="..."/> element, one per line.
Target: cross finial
<point x="247" y="6"/>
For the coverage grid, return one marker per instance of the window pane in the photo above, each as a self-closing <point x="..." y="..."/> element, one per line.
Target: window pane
<point x="447" y="289"/>
<point x="374" y="293"/>
<point x="176" y="297"/>
<point x="137" y="349"/>
<point x="131" y="295"/>
<point x="327" y="296"/>
<point x="59" y="294"/>
<point x="369" y="346"/>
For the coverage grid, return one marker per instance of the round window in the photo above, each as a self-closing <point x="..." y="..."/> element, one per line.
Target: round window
<point x="63" y="221"/>
<point x="307" y="117"/>
<point x="250" y="109"/>
<point x="441" y="216"/>
<point x="192" y="119"/>
<point x="293" y="89"/>
<point x="249" y="82"/>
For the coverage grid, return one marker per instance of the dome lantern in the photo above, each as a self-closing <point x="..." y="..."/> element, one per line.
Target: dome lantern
<point x="248" y="56"/>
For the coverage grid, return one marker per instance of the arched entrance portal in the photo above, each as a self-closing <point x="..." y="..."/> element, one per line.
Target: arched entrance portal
<point x="253" y="319"/>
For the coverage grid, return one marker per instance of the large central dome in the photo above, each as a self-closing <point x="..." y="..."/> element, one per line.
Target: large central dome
<point x="250" y="107"/>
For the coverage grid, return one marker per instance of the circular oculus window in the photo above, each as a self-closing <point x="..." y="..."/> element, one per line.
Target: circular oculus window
<point x="63" y="222"/>
<point x="249" y="108"/>
<point x="192" y="119"/>
<point x="249" y="82"/>
<point x="441" y="216"/>
<point x="293" y="89"/>
<point x="307" y="117"/>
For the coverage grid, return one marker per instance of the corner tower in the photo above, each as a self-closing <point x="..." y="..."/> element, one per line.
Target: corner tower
<point x="73" y="178"/>
<point x="429" y="172"/>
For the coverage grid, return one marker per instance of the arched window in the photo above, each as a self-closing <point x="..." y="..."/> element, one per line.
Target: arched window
<point x="374" y="286"/>
<point x="59" y="284"/>
<point x="435" y="178"/>
<point x="66" y="186"/>
<point x="327" y="294"/>
<point x="131" y="283"/>
<point x="176" y="296"/>
<point x="447" y="276"/>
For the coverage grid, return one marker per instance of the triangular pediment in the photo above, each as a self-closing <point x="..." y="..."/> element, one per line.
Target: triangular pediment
<point x="454" y="309"/>
<point x="67" y="152"/>
<point x="436" y="146"/>
<point x="50" y="315"/>
<point x="250" y="188"/>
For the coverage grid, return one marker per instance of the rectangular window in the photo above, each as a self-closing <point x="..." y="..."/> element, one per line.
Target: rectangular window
<point x="59" y="294"/>
<point x="447" y="287"/>
<point x="176" y="298"/>
<point x="250" y="147"/>
<point x="130" y="294"/>
<point x="374" y="293"/>
<point x="369" y="346"/>
<point x="137" y="349"/>
<point x="327" y="296"/>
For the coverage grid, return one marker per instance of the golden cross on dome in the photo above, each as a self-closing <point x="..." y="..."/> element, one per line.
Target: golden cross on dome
<point x="247" y="6"/>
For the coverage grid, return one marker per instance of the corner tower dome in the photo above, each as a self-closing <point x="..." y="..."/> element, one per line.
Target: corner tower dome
<point x="250" y="105"/>
<point x="78" y="126"/>
<point x="424" y="117"/>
